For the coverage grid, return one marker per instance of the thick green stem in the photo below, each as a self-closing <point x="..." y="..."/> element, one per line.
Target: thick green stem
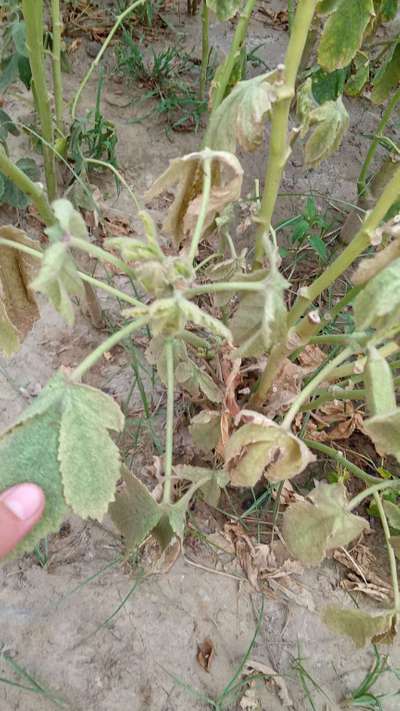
<point x="391" y="553"/>
<point x="234" y="52"/>
<point x="356" y="247"/>
<point x="340" y="459"/>
<point x="33" y="16"/>
<point x="362" y="180"/>
<point x="169" y="429"/>
<point x="28" y="187"/>
<point x="119" y="20"/>
<point x="205" y="48"/>
<point x="198" y="230"/>
<point x="279" y="149"/>
<point x="56" y="64"/>
<point x="312" y="385"/>
<point x="371" y="491"/>
<point x="106" y="346"/>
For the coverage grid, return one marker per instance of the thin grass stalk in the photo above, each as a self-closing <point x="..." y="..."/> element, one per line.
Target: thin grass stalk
<point x="205" y="48"/>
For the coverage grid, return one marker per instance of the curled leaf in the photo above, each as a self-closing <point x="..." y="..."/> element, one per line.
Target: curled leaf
<point x="264" y="448"/>
<point x="241" y="116"/>
<point x="330" y="122"/>
<point x="186" y="173"/>
<point x="205" y="429"/>
<point x="18" y="307"/>
<point x="69" y="221"/>
<point x="343" y="32"/>
<point x="378" y="304"/>
<point x="312" y="528"/>
<point x="359" y="625"/>
<point x="58" y="279"/>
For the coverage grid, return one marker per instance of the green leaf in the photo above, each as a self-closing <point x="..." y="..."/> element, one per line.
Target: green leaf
<point x="195" y="380"/>
<point x="134" y="511"/>
<point x="241" y="116"/>
<point x="3" y="181"/>
<point x="331" y="121"/>
<point x="260" y="319"/>
<point x="86" y="446"/>
<point x="319" y="247"/>
<point x="378" y="304"/>
<point x="24" y="71"/>
<point x="18" y="32"/>
<point x="69" y="220"/>
<point x="359" y="625"/>
<point x="388" y="10"/>
<point x="264" y="448"/>
<point x="211" y="490"/>
<point x="392" y="512"/>
<point x="311" y="528"/>
<point x="388" y="77"/>
<point x="379" y="385"/>
<point x="7" y="126"/>
<point x="328" y="86"/>
<point x="343" y="33"/>
<point x="359" y="76"/>
<point x="205" y="429"/>
<point x="224" y="9"/>
<point x="326" y="7"/>
<point x="29" y="452"/>
<point x="9" y="72"/>
<point x="58" y="279"/>
<point x="30" y="168"/>
<point x="384" y="430"/>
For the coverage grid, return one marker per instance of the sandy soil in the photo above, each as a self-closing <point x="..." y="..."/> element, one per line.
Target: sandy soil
<point x="145" y="657"/>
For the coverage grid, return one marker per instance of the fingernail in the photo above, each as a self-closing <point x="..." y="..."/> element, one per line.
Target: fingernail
<point x="23" y="500"/>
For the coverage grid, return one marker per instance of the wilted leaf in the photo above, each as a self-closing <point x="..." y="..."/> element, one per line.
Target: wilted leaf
<point x="388" y="77"/>
<point x="204" y="320"/>
<point x="58" y="279"/>
<point x="195" y="380"/>
<point x="343" y="32"/>
<point x="260" y="319"/>
<point x="384" y="430"/>
<point x="357" y="624"/>
<point x="379" y="384"/>
<point x="186" y="172"/>
<point x="330" y="121"/>
<point x="156" y="355"/>
<point x="211" y="489"/>
<point x="264" y="448"/>
<point x="18" y="304"/>
<point x="359" y="76"/>
<point x="134" y="511"/>
<point x="312" y="528"/>
<point x="224" y="9"/>
<point x="392" y="512"/>
<point x="205" y="430"/>
<point x="378" y="304"/>
<point x="370" y="266"/>
<point x="70" y="221"/>
<point x="241" y="116"/>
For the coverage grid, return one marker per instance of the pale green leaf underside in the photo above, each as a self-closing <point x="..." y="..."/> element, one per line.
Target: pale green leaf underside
<point x="357" y="624"/>
<point x="378" y="303"/>
<point x="59" y="280"/>
<point x="134" y="511"/>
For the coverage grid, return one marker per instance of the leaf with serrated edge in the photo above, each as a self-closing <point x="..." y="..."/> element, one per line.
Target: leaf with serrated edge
<point x="267" y="448"/>
<point x="134" y="511"/>
<point x="343" y="33"/>
<point x="28" y="453"/>
<point x="357" y="624"/>
<point x="205" y="429"/>
<point x="312" y="528"/>
<point x="58" y="279"/>
<point x="89" y="459"/>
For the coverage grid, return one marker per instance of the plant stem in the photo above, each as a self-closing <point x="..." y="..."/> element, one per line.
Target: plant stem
<point x="362" y="180"/>
<point x="340" y="459"/>
<point x="85" y="277"/>
<point x="56" y="64"/>
<point x="391" y="553"/>
<point x="290" y="14"/>
<point x="100" y="253"/>
<point x="198" y="230"/>
<point x="205" y="48"/>
<point x="234" y="52"/>
<point x="28" y="187"/>
<point x="357" y="366"/>
<point x="323" y="396"/>
<point x="371" y="491"/>
<point x="169" y="430"/>
<point x="338" y="338"/>
<point x="224" y="286"/>
<point x="312" y="385"/>
<point x="352" y="251"/>
<point x="279" y="149"/>
<point x="33" y="16"/>
<point x="109" y="343"/>
<point x="119" y="20"/>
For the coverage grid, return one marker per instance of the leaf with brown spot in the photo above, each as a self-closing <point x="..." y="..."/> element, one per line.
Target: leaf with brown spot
<point x="186" y="173"/>
<point x="205" y="654"/>
<point x="19" y="309"/>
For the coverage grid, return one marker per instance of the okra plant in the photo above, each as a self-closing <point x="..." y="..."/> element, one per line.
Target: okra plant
<point x="227" y="311"/>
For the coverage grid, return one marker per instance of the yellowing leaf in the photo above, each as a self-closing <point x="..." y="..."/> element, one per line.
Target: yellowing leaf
<point x="69" y="221"/>
<point x="205" y="429"/>
<point x="195" y="380"/>
<point x="256" y="449"/>
<point x="359" y="76"/>
<point x="395" y="542"/>
<point x="211" y="489"/>
<point x="224" y="9"/>
<point x="186" y="172"/>
<point x="134" y="511"/>
<point x="384" y="430"/>
<point x="18" y="307"/>
<point x="388" y="77"/>
<point x="241" y="116"/>
<point x="311" y="528"/>
<point x="357" y="624"/>
<point x="343" y="33"/>
<point x="392" y="512"/>
<point x="330" y="122"/>
<point x="378" y="304"/>
<point x="58" y="279"/>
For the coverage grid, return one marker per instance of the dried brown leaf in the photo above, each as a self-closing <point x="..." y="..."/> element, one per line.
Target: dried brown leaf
<point x="205" y="654"/>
